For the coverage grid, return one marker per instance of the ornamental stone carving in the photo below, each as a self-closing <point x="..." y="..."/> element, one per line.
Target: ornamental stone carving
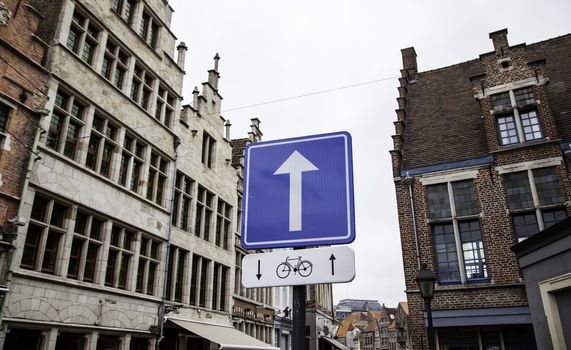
<point x="5" y="14"/>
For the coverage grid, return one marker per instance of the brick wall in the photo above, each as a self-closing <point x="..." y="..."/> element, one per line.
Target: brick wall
<point x="23" y="89"/>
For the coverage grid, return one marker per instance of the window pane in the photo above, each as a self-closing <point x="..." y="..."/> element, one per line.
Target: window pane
<point x="501" y="101"/>
<point x="30" y="253"/>
<point x="438" y="201"/>
<point x="525" y="225"/>
<point x="524" y="96"/>
<point x="75" y="255"/>
<point x="464" y="198"/>
<point x="473" y="250"/>
<point x="551" y="217"/>
<point x="518" y="190"/>
<point x="446" y="257"/>
<point x="507" y="130"/>
<point x="547" y="185"/>
<point x="531" y="127"/>
<point x="50" y="253"/>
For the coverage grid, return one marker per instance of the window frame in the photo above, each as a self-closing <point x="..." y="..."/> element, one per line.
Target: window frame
<point x="536" y="208"/>
<point x="517" y="108"/>
<point x="184" y="195"/>
<point x="223" y="224"/>
<point x="70" y="110"/>
<point x="157" y="177"/>
<point x="118" y="273"/>
<point x="106" y="135"/>
<point x="46" y="228"/>
<point x="148" y="266"/>
<point x="87" y="239"/>
<point x="116" y="68"/>
<point x="208" y="150"/>
<point x="454" y="221"/>
<point x="204" y="213"/>
<point x="86" y="36"/>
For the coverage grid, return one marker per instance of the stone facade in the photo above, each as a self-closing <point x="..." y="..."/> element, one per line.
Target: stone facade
<point x="471" y="140"/>
<point x="132" y="203"/>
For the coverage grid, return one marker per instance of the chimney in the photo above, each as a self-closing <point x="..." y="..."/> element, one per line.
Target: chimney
<point x="409" y="62"/>
<point x="195" y="94"/>
<point x="213" y="74"/>
<point x="181" y="48"/>
<point x="227" y="126"/>
<point x="255" y="134"/>
<point x="500" y="40"/>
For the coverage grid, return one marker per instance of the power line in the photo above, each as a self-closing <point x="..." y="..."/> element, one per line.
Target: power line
<point x="310" y="94"/>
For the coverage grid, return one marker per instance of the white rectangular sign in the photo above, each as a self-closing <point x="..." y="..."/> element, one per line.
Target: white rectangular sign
<point x="299" y="267"/>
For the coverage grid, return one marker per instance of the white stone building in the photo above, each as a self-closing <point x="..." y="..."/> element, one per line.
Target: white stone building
<point x="132" y="205"/>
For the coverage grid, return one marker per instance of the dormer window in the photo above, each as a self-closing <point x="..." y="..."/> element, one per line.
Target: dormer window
<point x="517" y="117"/>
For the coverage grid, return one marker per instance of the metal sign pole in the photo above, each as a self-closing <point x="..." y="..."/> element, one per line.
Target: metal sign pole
<point x="299" y="296"/>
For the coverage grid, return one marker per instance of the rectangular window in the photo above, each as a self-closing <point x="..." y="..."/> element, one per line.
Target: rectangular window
<point x="204" y="202"/>
<point x="183" y="198"/>
<point x="199" y="280"/>
<point x="456" y="233"/>
<point x="101" y="146"/>
<point x="4" y="112"/>
<point x="223" y="224"/>
<point x="158" y="168"/>
<point x="114" y="65"/>
<point x="176" y="270"/>
<point x="67" y="121"/>
<point x="208" y="149"/>
<point x="535" y="200"/>
<point x="165" y="106"/>
<point x="149" y="29"/>
<point x="238" y="288"/>
<point x="147" y="266"/>
<point x="517" y="117"/>
<point x="219" y="287"/>
<point x="82" y="37"/>
<point x="42" y="244"/>
<point x="132" y="161"/>
<point x="124" y="8"/>
<point x="120" y="257"/>
<point x="142" y="87"/>
<point x="86" y="244"/>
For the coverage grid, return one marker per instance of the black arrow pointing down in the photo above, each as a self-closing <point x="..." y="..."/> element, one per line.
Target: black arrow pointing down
<point x="258" y="274"/>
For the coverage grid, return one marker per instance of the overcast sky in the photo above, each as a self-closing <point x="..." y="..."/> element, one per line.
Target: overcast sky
<point x="273" y="50"/>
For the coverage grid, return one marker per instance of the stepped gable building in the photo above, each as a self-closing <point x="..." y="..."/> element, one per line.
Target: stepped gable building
<point x="125" y="229"/>
<point x="480" y="162"/>
<point x="23" y="93"/>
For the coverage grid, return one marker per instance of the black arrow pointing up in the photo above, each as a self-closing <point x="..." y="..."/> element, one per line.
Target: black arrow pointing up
<point x="332" y="258"/>
<point x="258" y="274"/>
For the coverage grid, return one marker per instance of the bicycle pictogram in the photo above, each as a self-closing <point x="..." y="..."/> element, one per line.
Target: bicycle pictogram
<point x="303" y="267"/>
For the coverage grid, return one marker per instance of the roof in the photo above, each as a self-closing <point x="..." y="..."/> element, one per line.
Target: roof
<point x="442" y="101"/>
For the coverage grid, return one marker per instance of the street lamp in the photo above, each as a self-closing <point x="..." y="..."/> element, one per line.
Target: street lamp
<point x="425" y="280"/>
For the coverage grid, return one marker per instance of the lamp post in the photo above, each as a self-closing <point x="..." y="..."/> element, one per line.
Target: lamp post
<point x="425" y="280"/>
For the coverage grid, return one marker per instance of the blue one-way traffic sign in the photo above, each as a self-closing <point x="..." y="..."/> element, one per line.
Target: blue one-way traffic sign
<point x="298" y="192"/>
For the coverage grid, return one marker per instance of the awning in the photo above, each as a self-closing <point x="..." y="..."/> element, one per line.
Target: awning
<point x="334" y="343"/>
<point x="227" y="337"/>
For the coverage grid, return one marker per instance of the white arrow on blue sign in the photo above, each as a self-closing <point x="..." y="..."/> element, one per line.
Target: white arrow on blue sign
<point x="298" y="192"/>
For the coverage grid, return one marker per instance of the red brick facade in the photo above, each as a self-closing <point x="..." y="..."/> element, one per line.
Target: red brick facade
<point x="446" y="125"/>
<point x="22" y="95"/>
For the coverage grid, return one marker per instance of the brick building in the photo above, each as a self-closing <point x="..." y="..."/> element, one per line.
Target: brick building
<point x="131" y="208"/>
<point x="480" y="162"/>
<point x="23" y="88"/>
